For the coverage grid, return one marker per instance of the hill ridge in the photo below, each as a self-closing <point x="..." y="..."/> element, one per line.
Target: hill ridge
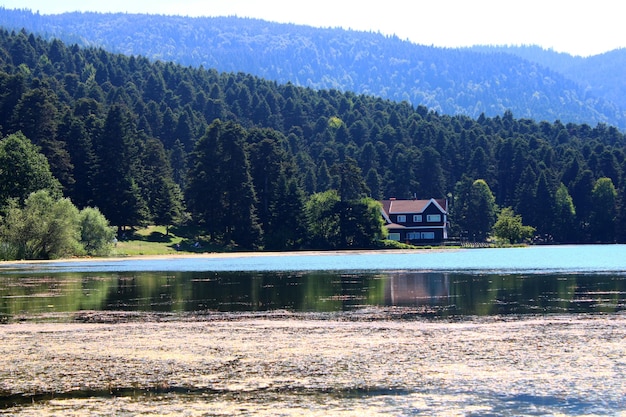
<point x="447" y="80"/>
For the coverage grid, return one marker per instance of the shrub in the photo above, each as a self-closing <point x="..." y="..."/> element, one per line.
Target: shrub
<point x="96" y="236"/>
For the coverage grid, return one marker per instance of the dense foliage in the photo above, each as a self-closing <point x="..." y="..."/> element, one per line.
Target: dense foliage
<point x="23" y="170"/>
<point x="35" y="221"/>
<point x="450" y="81"/>
<point x="49" y="228"/>
<point x="602" y="75"/>
<point x="132" y="137"/>
<point x="510" y="229"/>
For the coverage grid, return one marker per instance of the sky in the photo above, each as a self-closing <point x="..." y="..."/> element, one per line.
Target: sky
<point x="578" y="27"/>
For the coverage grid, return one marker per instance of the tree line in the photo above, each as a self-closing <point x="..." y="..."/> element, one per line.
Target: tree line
<point x="36" y="221"/>
<point x="261" y="164"/>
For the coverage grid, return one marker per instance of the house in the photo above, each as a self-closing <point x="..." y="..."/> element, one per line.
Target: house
<point x="416" y="221"/>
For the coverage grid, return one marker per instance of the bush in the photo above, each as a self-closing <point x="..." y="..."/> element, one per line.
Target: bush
<point x="96" y="236"/>
<point x="8" y="251"/>
<point x="510" y="229"/>
<point x="48" y="228"/>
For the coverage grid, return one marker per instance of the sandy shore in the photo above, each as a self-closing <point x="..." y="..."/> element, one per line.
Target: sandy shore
<point x="268" y="363"/>
<point x="225" y="255"/>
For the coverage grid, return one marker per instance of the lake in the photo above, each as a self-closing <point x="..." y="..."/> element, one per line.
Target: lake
<point x="440" y="283"/>
<point x="380" y="294"/>
<point x="533" y="259"/>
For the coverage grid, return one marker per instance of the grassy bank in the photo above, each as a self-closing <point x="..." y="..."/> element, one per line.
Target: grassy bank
<point x="156" y="240"/>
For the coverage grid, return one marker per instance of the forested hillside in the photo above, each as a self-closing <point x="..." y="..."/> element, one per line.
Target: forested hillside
<point x="146" y="141"/>
<point x="601" y="75"/>
<point x="450" y="81"/>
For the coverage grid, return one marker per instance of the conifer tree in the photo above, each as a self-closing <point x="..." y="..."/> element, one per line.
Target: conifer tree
<point x="220" y="192"/>
<point x="163" y="195"/>
<point x="118" y="195"/>
<point x="286" y="228"/>
<point x="544" y="209"/>
<point x="83" y="159"/>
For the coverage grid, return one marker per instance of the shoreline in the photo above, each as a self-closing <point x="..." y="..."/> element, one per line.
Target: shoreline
<point x="217" y="255"/>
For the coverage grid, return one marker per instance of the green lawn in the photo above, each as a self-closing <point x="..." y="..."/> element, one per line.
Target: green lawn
<point x="153" y="240"/>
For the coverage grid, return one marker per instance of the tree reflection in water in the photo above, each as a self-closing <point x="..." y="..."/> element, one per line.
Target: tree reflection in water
<point x="439" y="294"/>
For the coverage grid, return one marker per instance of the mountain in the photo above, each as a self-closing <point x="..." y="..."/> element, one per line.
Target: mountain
<point x="601" y="75"/>
<point x="450" y="81"/>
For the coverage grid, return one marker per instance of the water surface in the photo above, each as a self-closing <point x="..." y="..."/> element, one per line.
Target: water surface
<point x="415" y="294"/>
<point x="439" y="283"/>
<point x="533" y="259"/>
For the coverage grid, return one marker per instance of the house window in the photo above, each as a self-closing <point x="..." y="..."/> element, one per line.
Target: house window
<point x="433" y="218"/>
<point x="417" y="218"/>
<point x="413" y="236"/>
<point x="394" y="236"/>
<point x="401" y="218"/>
<point x="428" y="235"/>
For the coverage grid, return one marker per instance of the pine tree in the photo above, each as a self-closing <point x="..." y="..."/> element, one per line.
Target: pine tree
<point x="221" y="194"/>
<point x="83" y="159"/>
<point x="118" y="194"/>
<point x="163" y="195"/>
<point x="286" y="228"/>
<point x="267" y="163"/>
<point x="430" y="174"/>
<point x="203" y="191"/>
<point x="544" y="210"/>
<point x="583" y="202"/>
<point x="35" y="115"/>
<point x="238" y="194"/>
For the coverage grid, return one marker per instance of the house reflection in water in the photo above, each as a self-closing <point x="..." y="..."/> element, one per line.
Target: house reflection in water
<point x="417" y="289"/>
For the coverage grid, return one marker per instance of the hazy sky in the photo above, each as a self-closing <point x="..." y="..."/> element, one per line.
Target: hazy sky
<point x="579" y="27"/>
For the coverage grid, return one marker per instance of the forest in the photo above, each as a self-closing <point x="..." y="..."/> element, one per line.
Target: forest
<point x="267" y="165"/>
<point x="601" y="74"/>
<point x="540" y="85"/>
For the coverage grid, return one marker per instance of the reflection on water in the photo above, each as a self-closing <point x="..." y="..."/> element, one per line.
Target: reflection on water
<point x="435" y="294"/>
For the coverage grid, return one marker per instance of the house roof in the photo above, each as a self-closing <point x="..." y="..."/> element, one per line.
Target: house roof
<point x="393" y="206"/>
<point x="395" y="226"/>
